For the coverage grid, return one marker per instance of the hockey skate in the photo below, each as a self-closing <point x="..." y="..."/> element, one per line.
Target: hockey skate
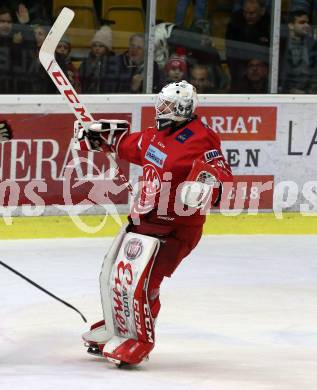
<point x="126" y="353"/>
<point x="95" y="338"/>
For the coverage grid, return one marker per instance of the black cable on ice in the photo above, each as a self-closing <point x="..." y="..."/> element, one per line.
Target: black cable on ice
<point x="42" y="289"/>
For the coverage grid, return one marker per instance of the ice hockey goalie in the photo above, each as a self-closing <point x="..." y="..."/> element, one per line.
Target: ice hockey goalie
<point x="183" y="176"/>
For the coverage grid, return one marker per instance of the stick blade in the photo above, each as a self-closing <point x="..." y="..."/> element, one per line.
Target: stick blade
<point x="59" y="28"/>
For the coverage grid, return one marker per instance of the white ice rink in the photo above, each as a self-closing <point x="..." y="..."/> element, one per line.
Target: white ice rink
<point x="239" y="314"/>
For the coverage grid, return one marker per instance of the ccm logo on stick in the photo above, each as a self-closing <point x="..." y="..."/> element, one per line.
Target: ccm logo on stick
<point x="70" y="95"/>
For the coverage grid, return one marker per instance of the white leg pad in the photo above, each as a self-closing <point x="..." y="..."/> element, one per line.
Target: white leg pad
<point x="123" y="282"/>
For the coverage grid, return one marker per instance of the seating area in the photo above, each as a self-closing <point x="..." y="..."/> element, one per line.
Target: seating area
<point x="128" y="16"/>
<point x="211" y="40"/>
<point x="124" y="18"/>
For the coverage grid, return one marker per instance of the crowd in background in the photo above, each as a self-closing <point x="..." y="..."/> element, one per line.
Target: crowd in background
<point x="180" y="52"/>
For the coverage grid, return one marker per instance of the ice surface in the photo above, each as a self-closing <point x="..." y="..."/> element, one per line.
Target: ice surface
<point x="239" y="314"/>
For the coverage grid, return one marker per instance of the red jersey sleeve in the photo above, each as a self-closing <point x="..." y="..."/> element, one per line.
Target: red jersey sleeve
<point x="129" y="148"/>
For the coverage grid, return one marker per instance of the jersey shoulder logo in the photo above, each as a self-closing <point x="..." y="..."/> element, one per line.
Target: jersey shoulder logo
<point x="155" y="156"/>
<point x="211" y="154"/>
<point x="184" y="135"/>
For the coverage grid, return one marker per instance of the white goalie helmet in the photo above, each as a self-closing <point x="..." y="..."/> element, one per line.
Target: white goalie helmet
<point x="176" y="102"/>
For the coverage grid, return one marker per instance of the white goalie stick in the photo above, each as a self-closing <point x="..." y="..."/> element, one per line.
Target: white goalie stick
<point x="47" y="59"/>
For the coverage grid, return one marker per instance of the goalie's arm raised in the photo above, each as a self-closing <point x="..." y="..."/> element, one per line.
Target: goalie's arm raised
<point x="108" y="136"/>
<point x="104" y="135"/>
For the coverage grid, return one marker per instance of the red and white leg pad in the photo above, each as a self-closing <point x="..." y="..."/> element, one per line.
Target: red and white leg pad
<point x="124" y="284"/>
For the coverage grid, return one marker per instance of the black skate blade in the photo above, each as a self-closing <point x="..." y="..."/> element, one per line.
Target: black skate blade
<point x="94" y="350"/>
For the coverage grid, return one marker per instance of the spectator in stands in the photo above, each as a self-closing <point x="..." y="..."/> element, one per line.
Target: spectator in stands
<point x="255" y="79"/>
<point x="6" y="38"/>
<point x="298" y="56"/>
<point x="198" y="49"/>
<point x="64" y="49"/>
<point x="40" y="32"/>
<point x="131" y="67"/>
<point x="22" y="14"/>
<point x="6" y="24"/>
<point x="175" y="70"/>
<point x="209" y="78"/>
<point x="98" y="73"/>
<point x="41" y="82"/>
<point x="203" y="78"/>
<point x="181" y="9"/>
<point x="247" y="36"/>
<point x="16" y="45"/>
<point x="30" y="10"/>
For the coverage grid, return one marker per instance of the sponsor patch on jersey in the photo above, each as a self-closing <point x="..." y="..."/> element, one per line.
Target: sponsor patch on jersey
<point x="211" y="154"/>
<point x="155" y="156"/>
<point x="184" y="135"/>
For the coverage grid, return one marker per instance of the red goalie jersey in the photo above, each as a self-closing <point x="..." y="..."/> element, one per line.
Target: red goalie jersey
<point x="169" y="158"/>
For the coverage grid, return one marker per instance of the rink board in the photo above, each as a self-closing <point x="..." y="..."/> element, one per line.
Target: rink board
<point x="270" y="142"/>
<point x="101" y="226"/>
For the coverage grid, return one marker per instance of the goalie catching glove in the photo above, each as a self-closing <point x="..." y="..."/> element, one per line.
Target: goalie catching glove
<point x="104" y="135"/>
<point x="5" y="131"/>
<point x="204" y="183"/>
